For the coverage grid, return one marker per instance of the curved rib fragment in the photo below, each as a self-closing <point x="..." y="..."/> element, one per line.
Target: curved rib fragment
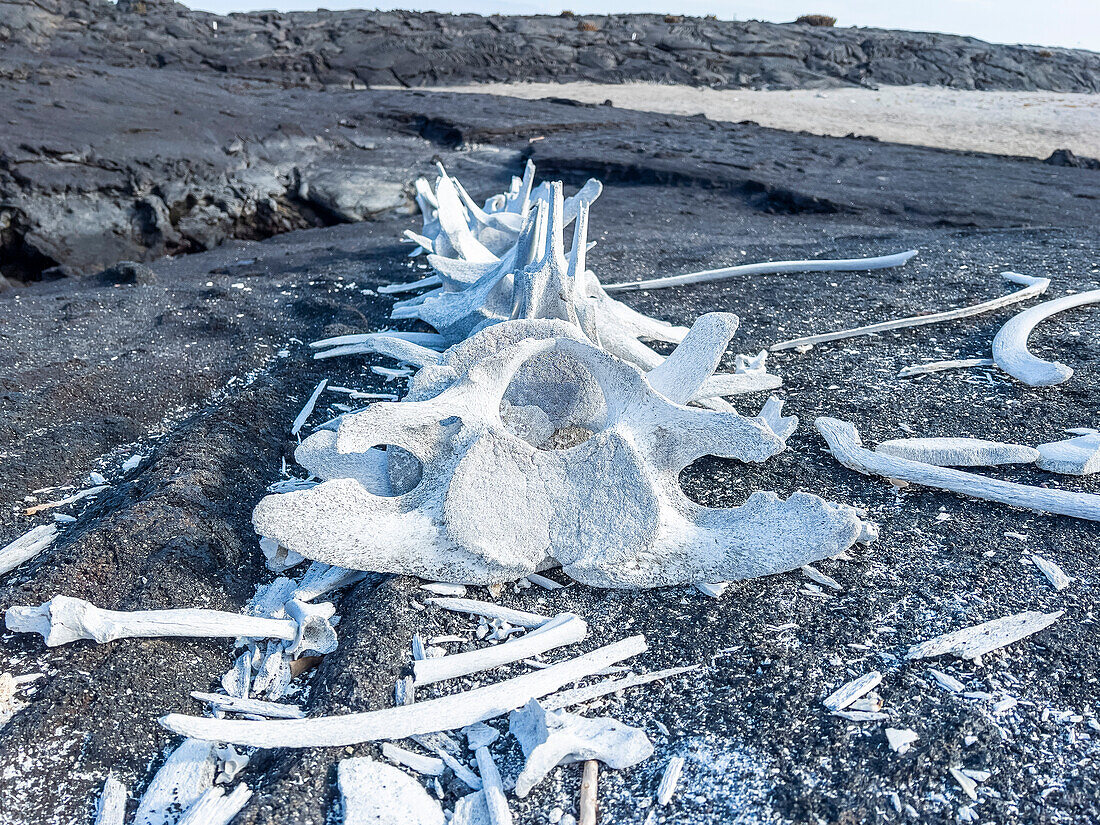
<point x="1010" y="344"/>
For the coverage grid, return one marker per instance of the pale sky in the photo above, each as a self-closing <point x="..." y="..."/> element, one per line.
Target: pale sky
<point x="1048" y="23"/>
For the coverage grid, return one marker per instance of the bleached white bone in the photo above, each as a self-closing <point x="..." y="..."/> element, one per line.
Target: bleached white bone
<point x="27" y="546"/>
<point x="471" y="809"/>
<point x="565" y="629"/>
<point x="552" y="738"/>
<point x="1055" y="574"/>
<point x="230" y="763"/>
<point x="974" y="642"/>
<point x="958" y="452"/>
<point x="375" y="793"/>
<point x="255" y="707"/>
<point x="492" y="788"/>
<point x="847" y="693"/>
<point x="111" y="805"/>
<point x="642" y="531"/>
<point x="846" y="447"/>
<point x="216" y="808"/>
<point x="460" y="770"/>
<point x="489" y="610"/>
<point x="183" y="778"/>
<point x="1032" y="287"/>
<point x="900" y="740"/>
<point x="770" y="268"/>
<point x="64" y="619"/>
<point x="1077" y="456"/>
<point x="939" y="366"/>
<point x="578" y="696"/>
<point x="1010" y="344"/>
<point x="669" y="780"/>
<point x="307" y="410"/>
<point x="447" y="713"/>
<point x="427" y="765"/>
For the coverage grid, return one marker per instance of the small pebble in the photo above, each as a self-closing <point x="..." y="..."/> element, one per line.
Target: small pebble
<point x="555" y="816"/>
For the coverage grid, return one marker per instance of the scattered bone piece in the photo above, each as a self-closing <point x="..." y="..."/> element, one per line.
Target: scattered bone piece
<point x="939" y="366"/>
<point x="279" y="559"/>
<point x="713" y="590"/>
<point x="492" y="611"/>
<point x="321" y="579"/>
<point x="846" y="447"/>
<point x="184" y="777"/>
<point x="307" y="410"/>
<point x="1032" y="287"/>
<point x="544" y="582"/>
<point x="565" y="629"/>
<point x="1055" y="574"/>
<point x="1010" y="344"/>
<point x="460" y="770"/>
<point x="958" y="452"/>
<point x="253" y="707"/>
<point x="947" y="681"/>
<point x="1079" y="456"/>
<point x="974" y="642"/>
<point x="669" y="780"/>
<point x="447" y="713"/>
<point x="375" y="793"/>
<point x="900" y="740"/>
<point x="843" y="696"/>
<point x="861" y="715"/>
<point x="215" y="808"/>
<point x="111" y="805"/>
<point x="772" y="268"/>
<point x="492" y="788"/>
<point x="132" y="463"/>
<point x="232" y="762"/>
<point x="444" y="589"/>
<point x="813" y="574"/>
<point x="577" y="696"/>
<point x="27" y="546"/>
<point x="426" y="765"/>
<point x="83" y="494"/>
<point x="552" y="738"/>
<point x="471" y="809"/>
<point x="969" y="786"/>
<point x="64" y="619"/>
<point x="589" y="789"/>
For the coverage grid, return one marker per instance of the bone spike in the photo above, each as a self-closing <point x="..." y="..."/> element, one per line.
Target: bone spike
<point x="111" y="805"/>
<point x="426" y="765"/>
<point x="448" y="713"/>
<point x="460" y="770"/>
<point x="1078" y="456"/>
<point x="183" y="778"/>
<point x="307" y="410"/>
<point x="846" y="447"/>
<point x="847" y="693"/>
<point x="412" y="286"/>
<point x="491" y="786"/>
<point x="1032" y="288"/>
<point x="939" y="366"/>
<point x="1010" y="344"/>
<point x="491" y="611"/>
<point x="254" y="707"/>
<point x="974" y="642"/>
<point x="27" y="546"/>
<point x="562" y="630"/>
<point x="91" y="492"/>
<point x="578" y="696"/>
<point x="215" y="808"/>
<point x="773" y="268"/>
<point x="1055" y="574"/>
<point x="669" y="780"/>
<point x="694" y="360"/>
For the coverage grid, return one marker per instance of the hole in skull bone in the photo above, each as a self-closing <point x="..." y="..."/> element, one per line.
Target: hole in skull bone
<point x="403" y="468"/>
<point x="553" y="402"/>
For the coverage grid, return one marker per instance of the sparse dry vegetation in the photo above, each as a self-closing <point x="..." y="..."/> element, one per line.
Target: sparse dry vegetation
<point x="673" y="18"/>
<point x="817" y="20"/>
<point x="585" y="26"/>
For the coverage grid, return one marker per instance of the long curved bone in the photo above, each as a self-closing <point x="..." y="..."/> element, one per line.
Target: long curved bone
<point x="462" y="523"/>
<point x="846" y="447"/>
<point x="448" y="713"/>
<point x="64" y="619"/>
<point x="1032" y="287"/>
<point x="1010" y="344"/>
<point x="770" y="268"/>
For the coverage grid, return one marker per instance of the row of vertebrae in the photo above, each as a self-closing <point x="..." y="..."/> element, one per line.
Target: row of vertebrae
<point x="547" y="433"/>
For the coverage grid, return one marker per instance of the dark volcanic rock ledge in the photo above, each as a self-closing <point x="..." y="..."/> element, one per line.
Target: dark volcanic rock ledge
<point x="414" y="49"/>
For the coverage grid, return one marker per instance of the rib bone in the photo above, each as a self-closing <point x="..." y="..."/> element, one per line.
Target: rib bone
<point x="975" y="642"/>
<point x="1010" y="344"/>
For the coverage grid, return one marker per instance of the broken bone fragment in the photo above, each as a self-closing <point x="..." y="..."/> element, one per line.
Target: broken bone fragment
<point x="847" y="448"/>
<point x="1077" y="456"/>
<point x="556" y="737"/>
<point x="974" y="642"/>
<point x="64" y="619"/>
<point x="1010" y="345"/>
<point x="375" y="793"/>
<point x="27" y="546"/>
<point x="609" y="510"/>
<point x="958" y="452"/>
<point x="185" y="776"/>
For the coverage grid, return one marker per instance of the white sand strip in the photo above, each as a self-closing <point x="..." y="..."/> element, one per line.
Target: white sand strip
<point x="1007" y="123"/>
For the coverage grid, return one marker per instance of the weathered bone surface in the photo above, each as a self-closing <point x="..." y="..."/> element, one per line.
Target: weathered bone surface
<point x="669" y="780"/>
<point x="427" y="765"/>
<point x="1077" y="456"/>
<point x="1031" y="287"/>
<point x="64" y="619"/>
<point x="552" y="738"/>
<point x="1010" y="344"/>
<point x="958" y="452"/>
<point x="492" y="787"/>
<point x="27" y="546"/>
<point x="940" y="366"/>
<point x="577" y="696"/>
<point x="111" y="805"/>
<point x="974" y="642"/>
<point x="216" y="808"/>
<point x="769" y="268"/>
<point x="463" y="523"/>
<point x="846" y="446"/>
<point x="375" y="793"/>
<point x="185" y="776"/>
<point x="447" y="713"/>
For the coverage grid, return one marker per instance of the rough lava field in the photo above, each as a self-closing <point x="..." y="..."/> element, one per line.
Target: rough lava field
<point x="267" y="197"/>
